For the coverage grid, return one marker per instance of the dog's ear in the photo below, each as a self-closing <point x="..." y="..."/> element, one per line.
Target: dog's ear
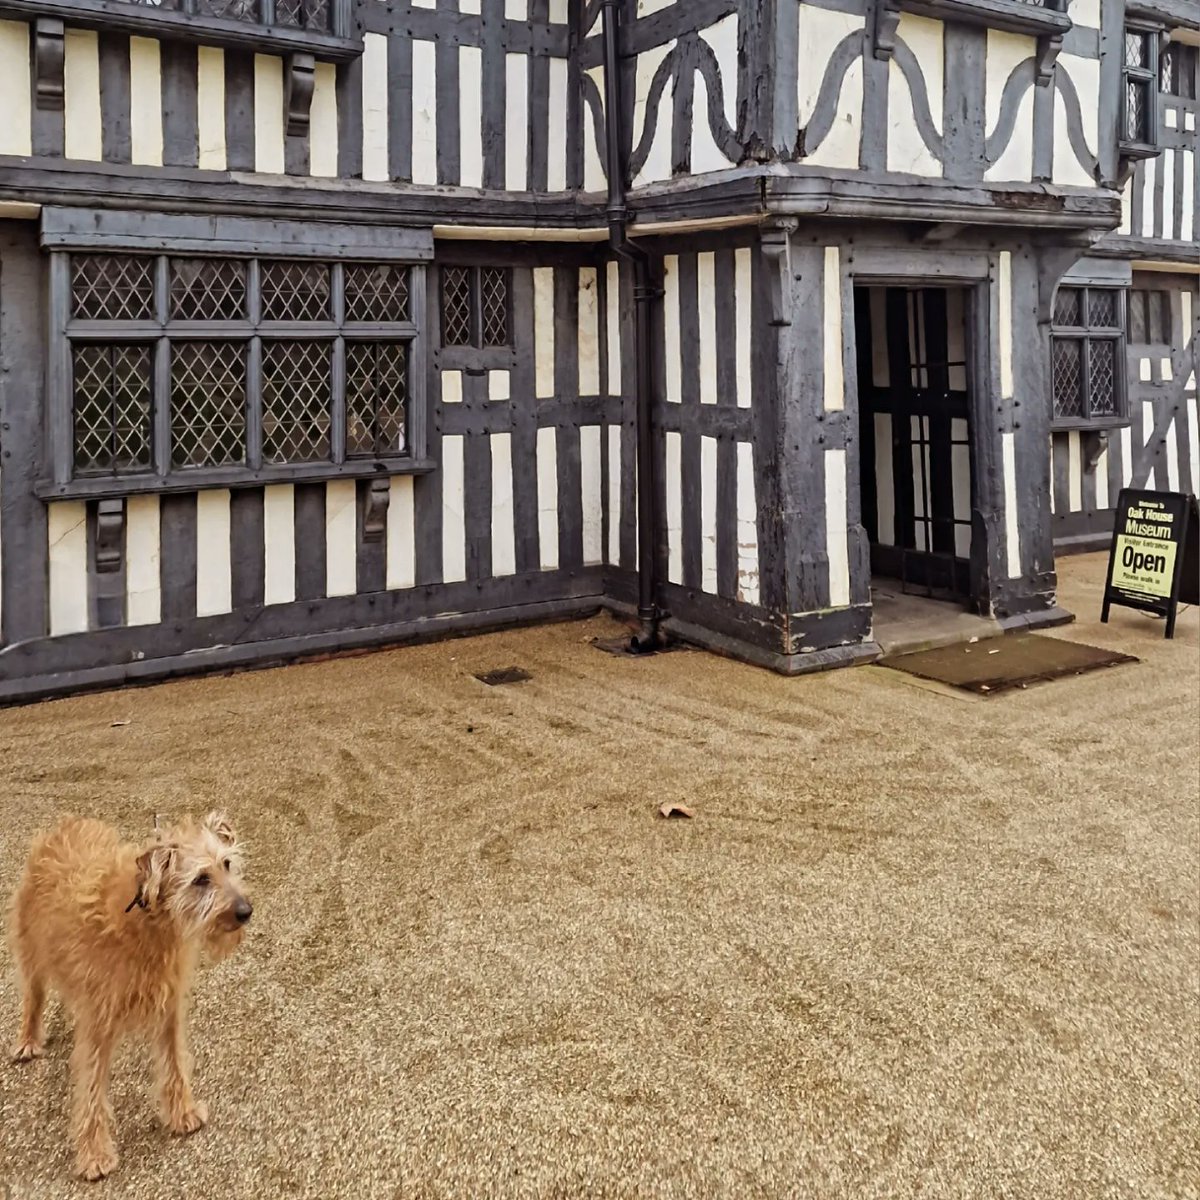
<point x="153" y="867"/>
<point x="221" y="827"/>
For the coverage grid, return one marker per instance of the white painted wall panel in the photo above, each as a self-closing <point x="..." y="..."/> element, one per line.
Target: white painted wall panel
<point x="145" y="103"/>
<point x="672" y="353"/>
<point x="543" y="331"/>
<point x="658" y="161"/>
<point x="1085" y="74"/>
<point x="279" y="543"/>
<point x="557" y="144"/>
<point x="143" y="577"/>
<point x="612" y="317"/>
<point x="504" y="545"/>
<point x="1005" y="52"/>
<point x="516" y="122"/>
<point x="834" y="376"/>
<point x="210" y="108"/>
<point x="820" y="32"/>
<point x="268" y="114"/>
<point x="16" y="129"/>
<point x="593" y="152"/>
<point x="214" y="584"/>
<point x="593" y="502"/>
<point x="708" y="514"/>
<point x="1012" y="527"/>
<point x="837" y="528"/>
<point x="375" y="108"/>
<point x="341" y="538"/>
<point x="906" y="149"/>
<point x="706" y="265"/>
<point x="454" y="531"/>
<point x="1004" y="323"/>
<point x="323" y="126"/>
<point x="401" y="534"/>
<point x="614" y="494"/>
<point x="674" y="482"/>
<point x="66" y="536"/>
<point x="589" y="332"/>
<point x="547" y="489"/>
<point x="81" y="96"/>
<point x="424" y="111"/>
<point x="470" y="116"/>
<point x="744" y="286"/>
<point x="747" y="526"/>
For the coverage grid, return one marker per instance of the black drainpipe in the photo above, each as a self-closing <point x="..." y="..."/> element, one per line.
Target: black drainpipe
<point x="647" y="638"/>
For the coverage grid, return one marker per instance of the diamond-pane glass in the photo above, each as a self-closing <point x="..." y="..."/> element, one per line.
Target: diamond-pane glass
<point x="1066" y="306"/>
<point x="296" y="401"/>
<point x="378" y="293"/>
<point x="208" y="403"/>
<point x="208" y="289"/>
<point x="237" y="10"/>
<point x="1102" y="394"/>
<point x="304" y="14"/>
<point x="112" y="408"/>
<point x="1137" y="111"/>
<point x="456" y="306"/>
<point x="295" y="291"/>
<point x="1136" y="306"/>
<point x="1102" y="308"/>
<point x="112" y="287"/>
<point x="493" y="286"/>
<point x="1068" y="377"/>
<point x="174" y="5"/>
<point x="376" y="394"/>
<point x="1137" y="49"/>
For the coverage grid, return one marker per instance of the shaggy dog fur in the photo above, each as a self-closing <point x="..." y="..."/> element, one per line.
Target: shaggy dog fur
<point x="117" y="929"/>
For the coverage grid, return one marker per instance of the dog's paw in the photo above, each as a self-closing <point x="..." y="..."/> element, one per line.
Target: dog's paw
<point x="95" y="1164"/>
<point x="188" y="1120"/>
<point x="27" y="1051"/>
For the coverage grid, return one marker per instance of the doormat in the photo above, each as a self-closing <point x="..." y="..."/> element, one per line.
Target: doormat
<point x="999" y="664"/>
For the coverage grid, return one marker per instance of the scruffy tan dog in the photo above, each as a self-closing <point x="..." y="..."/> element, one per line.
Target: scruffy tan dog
<point x="117" y="930"/>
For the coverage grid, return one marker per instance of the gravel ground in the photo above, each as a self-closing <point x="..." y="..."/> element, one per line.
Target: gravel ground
<point x="912" y="944"/>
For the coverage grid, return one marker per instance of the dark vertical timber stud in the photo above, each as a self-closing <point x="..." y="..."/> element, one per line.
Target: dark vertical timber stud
<point x="239" y="110"/>
<point x="115" y="98"/>
<point x="647" y="290"/>
<point x="180" y="63"/>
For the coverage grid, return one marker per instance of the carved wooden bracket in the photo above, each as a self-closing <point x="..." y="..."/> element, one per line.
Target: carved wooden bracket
<point x="1055" y="262"/>
<point x="48" y="63"/>
<point x="300" y="75"/>
<point x="887" y="17"/>
<point x="375" y="512"/>
<point x="1048" y="47"/>
<point x="777" y="249"/>
<point x="1093" y="444"/>
<point x="110" y="535"/>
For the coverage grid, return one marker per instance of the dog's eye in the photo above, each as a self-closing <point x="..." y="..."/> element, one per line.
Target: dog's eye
<point x="201" y="881"/>
<point x="225" y="864"/>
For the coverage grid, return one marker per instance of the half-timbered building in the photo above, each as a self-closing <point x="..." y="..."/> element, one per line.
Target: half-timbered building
<point x="331" y="323"/>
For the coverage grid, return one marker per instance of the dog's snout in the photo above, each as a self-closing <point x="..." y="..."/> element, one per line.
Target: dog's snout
<point x="243" y="911"/>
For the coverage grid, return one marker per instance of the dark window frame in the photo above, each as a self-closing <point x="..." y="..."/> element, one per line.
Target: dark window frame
<point x="267" y="35"/>
<point x="477" y="338"/>
<point x="1147" y="77"/>
<point x="1087" y="333"/>
<point x="163" y="332"/>
<point x="1179" y="67"/>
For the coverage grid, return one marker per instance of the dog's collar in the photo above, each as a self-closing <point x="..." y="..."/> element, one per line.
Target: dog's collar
<point x="138" y="900"/>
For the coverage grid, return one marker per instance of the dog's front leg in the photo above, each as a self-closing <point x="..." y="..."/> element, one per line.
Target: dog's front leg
<point x="91" y="1112"/>
<point x="182" y="1113"/>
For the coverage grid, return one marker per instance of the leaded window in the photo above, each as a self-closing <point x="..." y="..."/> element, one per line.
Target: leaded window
<point x="475" y="306"/>
<point x="200" y="365"/>
<point x="1139" y="88"/>
<point x="1177" y="70"/>
<point x="1087" y="355"/>
<point x="1149" y="317"/>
